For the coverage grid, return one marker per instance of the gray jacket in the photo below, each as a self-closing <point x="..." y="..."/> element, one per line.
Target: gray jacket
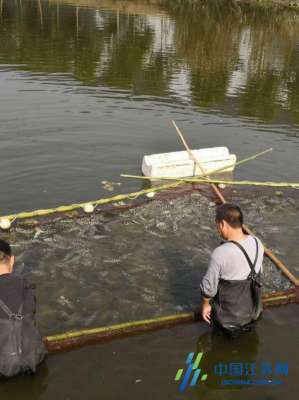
<point x="229" y="263"/>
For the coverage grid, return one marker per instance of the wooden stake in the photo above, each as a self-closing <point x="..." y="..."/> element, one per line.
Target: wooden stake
<point x="268" y="252"/>
<point x="197" y="162"/>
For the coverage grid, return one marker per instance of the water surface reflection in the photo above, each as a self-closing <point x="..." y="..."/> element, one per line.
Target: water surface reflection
<point x="237" y="61"/>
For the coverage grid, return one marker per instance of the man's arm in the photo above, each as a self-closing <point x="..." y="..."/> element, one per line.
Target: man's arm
<point x="206" y="310"/>
<point x="209" y="287"/>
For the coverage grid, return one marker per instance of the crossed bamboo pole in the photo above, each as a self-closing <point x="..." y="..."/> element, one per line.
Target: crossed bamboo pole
<point x="268" y="252"/>
<point x="70" y="340"/>
<point x="281" y="185"/>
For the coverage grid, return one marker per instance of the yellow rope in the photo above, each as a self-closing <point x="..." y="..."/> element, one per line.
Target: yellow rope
<point x="148" y="322"/>
<point x="117" y="198"/>
<point x="218" y="181"/>
<point x="72" y="207"/>
<point x="243" y="161"/>
<point x="105" y="329"/>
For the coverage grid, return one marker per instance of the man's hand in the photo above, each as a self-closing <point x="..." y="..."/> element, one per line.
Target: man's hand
<point x="206" y="310"/>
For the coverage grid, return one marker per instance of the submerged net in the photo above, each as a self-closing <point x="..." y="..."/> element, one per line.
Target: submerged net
<point x="142" y="263"/>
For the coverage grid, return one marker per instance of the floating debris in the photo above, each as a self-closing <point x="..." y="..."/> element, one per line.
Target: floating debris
<point x="110" y="186"/>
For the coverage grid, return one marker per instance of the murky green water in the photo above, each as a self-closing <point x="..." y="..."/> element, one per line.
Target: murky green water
<point x="86" y="89"/>
<point x="142" y="263"/>
<point x="145" y="366"/>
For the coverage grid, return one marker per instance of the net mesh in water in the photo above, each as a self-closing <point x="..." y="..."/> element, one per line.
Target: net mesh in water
<point x="142" y="263"/>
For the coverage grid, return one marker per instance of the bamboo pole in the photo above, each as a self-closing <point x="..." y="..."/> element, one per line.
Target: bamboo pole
<point x="116" y="198"/>
<point x="243" y="161"/>
<point x="69" y="340"/>
<point x="197" y="162"/>
<point x="284" y="269"/>
<point x="268" y="252"/>
<point x="191" y="155"/>
<point x="281" y="185"/>
<point x="102" y="201"/>
<point x="240" y="162"/>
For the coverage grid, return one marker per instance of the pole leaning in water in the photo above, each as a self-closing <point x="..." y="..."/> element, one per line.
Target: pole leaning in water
<point x="268" y="252"/>
<point x="70" y="340"/>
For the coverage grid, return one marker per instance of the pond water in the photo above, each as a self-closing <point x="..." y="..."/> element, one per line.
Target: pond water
<point x="142" y="263"/>
<point x="87" y="88"/>
<point x="145" y="366"/>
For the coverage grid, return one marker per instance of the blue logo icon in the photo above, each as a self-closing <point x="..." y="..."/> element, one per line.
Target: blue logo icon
<point x="191" y="367"/>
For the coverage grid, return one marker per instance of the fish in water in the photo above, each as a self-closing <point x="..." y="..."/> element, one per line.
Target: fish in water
<point x="89" y="320"/>
<point x="63" y="301"/>
<point x="38" y="231"/>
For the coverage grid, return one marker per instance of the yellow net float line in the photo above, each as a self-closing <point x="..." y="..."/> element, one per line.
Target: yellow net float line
<point x="69" y="340"/>
<point x="89" y="207"/>
<point x="220" y="182"/>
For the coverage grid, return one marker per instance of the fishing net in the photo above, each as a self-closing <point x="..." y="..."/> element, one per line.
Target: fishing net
<point x="141" y="263"/>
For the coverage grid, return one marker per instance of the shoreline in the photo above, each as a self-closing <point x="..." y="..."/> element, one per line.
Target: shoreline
<point x="288" y="5"/>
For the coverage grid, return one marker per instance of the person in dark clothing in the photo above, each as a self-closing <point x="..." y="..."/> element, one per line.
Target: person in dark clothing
<point x="13" y="289"/>
<point x="231" y="288"/>
<point x="21" y="346"/>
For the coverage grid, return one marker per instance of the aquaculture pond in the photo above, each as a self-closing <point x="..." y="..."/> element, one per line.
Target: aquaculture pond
<point x="141" y="263"/>
<point x="87" y="88"/>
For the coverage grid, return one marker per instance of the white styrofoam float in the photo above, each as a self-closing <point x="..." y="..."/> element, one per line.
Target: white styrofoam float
<point x="178" y="164"/>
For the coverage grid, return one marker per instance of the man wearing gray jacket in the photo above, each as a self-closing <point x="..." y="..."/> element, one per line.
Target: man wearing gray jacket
<point x="231" y="287"/>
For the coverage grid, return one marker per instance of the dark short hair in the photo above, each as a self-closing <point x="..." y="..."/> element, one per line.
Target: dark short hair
<point x="5" y="251"/>
<point x="231" y="213"/>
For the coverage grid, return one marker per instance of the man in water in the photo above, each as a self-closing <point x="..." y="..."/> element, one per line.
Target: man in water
<point x="21" y="347"/>
<point x="231" y="288"/>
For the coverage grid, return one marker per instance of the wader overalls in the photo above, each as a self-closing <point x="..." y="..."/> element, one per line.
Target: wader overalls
<point x="21" y="346"/>
<point x="238" y="303"/>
